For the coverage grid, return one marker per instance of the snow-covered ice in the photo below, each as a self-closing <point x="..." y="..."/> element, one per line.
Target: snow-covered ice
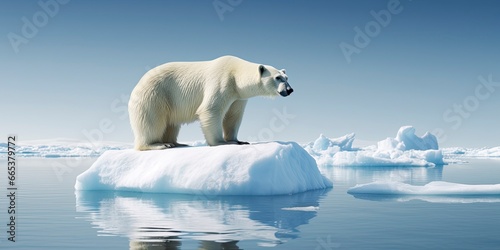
<point x="257" y="169"/>
<point x="406" y="149"/>
<point x="432" y="188"/>
<point x="407" y="140"/>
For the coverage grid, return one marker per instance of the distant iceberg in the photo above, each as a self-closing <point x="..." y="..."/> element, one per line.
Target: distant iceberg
<point x="258" y="169"/>
<point x="406" y="149"/>
<point x="432" y="188"/>
<point x="407" y="140"/>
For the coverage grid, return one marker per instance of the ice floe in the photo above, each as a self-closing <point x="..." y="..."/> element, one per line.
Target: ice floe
<point x="257" y="169"/>
<point x="432" y="188"/>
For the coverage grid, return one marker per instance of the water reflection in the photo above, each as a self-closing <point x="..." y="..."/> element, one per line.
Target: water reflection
<point x="163" y="221"/>
<point x="358" y="175"/>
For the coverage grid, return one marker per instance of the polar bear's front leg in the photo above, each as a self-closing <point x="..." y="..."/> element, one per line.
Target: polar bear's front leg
<point x="232" y="121"/>
<point x="211" y="125"/>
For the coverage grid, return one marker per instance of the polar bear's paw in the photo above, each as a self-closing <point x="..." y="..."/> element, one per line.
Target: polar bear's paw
<point x="236" y="142"/>
<point x="163" y="145"/>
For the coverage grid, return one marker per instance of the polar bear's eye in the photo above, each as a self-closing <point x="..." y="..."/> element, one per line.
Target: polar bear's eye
<point x="279" y="78"/>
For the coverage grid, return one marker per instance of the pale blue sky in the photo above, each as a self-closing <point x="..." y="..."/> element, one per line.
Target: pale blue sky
<point x="70" y="73"/>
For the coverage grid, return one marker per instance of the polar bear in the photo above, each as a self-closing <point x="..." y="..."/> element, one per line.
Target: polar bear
<point x="214" y="92"/>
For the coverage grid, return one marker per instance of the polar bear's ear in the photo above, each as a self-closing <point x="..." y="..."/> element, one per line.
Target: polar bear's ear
<point x="283" y="70"/>
<point x="261" y="69"/>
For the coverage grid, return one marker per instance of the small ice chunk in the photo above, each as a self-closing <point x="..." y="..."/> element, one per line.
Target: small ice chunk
<point x="304" y="209"/>
<point x="432" y="188"/>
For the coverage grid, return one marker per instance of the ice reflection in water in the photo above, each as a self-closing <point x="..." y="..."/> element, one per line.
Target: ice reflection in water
<point x="358" y="175"/>
<point x="217" y="222"/>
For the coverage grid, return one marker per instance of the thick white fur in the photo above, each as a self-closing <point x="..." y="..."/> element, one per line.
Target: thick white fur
<point x="213" y="92"/>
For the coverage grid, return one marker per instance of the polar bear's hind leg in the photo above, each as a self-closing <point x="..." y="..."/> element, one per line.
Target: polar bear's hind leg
<point x="170" y="136"/>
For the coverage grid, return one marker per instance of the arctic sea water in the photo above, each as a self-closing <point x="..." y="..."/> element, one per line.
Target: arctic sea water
<point x="51" y="215"/>
<point x="398" y="194"/>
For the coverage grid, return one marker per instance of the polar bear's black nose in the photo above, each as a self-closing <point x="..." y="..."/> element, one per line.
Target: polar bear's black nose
<point x="289" y="91"/>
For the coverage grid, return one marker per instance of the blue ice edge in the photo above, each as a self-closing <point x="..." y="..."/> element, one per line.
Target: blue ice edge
<point x="271" y="168"/>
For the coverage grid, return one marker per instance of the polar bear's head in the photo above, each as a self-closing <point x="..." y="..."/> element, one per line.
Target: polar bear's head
<point x="275" y="81"/>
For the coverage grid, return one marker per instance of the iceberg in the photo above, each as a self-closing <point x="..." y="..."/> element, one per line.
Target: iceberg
<point x="406" y="149"/>
<point x="343" y="143"/>
<point x="258" y="169"/>
<point x="324" y="149"/>
<point x="408" y="140"/>
<point x="432" y="188"/>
